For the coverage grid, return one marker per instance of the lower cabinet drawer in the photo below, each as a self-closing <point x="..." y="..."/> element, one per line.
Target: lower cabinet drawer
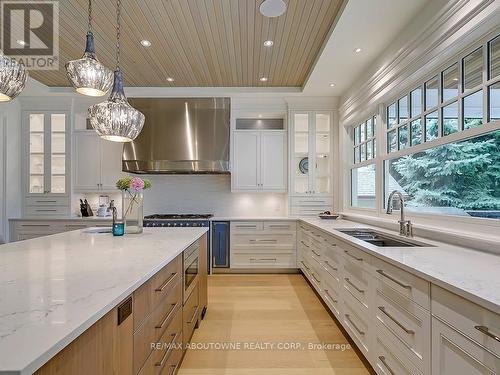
<point x="167" y="351"/>
<point x="388" y="358"/>
<point x="453" y="353"/>
<point x="357" y="322"/>
<point x="331" y="294"/>
<point x="263" y="260"/>
<point x="46" y="210"/>
<point x="147" y="297"/>
<point x="190" y="316"/>
<point x="357" y="283"/>
<point x="409" y="325"/>
<point x="476" y="322"/>
<point x="316" y="275"/>
<point x="156" y="325"/>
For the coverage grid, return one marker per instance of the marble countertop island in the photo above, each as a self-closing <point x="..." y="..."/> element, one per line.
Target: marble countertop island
<point x="54" y="288"/>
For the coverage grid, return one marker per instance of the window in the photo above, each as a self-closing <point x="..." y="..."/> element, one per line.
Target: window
<point x="494" y="95"/>
<point x="363" y="187"/>
<point x="363" y="137"/>
<point x="473" y="69"/>
<point x="450" y="82"/>
<point x="453" y="101"/>
<point x="416" y="102"/>
<point x="460" y="178"/>
<point x="473" y="110"/>
<point x="450" y="118"/>
<point x="494" y="58"/>
<point x="431" y="93"/>
<point x="363" y="177"/>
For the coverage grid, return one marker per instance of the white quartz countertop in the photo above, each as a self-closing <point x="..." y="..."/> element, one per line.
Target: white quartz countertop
<point x="255" y="218"/>
<point x="472" y="274"/>
<point x="63" y="218"/>
<point x="53" y="288"/>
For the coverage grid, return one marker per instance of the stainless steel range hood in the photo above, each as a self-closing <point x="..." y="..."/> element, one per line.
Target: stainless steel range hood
<point x="180" y="136"/>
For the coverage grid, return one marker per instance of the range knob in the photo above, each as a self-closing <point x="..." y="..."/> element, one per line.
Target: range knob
<point x="162" y="224"/>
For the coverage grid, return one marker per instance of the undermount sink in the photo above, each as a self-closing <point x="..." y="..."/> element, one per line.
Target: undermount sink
<point x="381" y="239"/>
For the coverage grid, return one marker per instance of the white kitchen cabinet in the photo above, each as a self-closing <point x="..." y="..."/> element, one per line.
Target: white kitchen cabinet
<point x="259" y="161"/>
<point x="311" y="164"/>
<point x="263" y="244"/>
<point x="98" y="163"/>
<point x="46" y="162"/>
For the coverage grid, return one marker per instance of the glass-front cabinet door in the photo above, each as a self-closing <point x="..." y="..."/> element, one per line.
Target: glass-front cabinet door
<point x="47" y="164"/>
<point x="311" y="141"/>
<point x="322" y="153"/>
<point x="301" y="179"/>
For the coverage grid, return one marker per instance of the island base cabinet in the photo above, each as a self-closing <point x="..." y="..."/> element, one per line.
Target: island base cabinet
<point x="454" y="353"/>
<point x="106" y="348"/>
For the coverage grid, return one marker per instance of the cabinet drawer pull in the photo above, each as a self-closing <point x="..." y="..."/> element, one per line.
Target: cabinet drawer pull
<point x="382" y="360"/>
<point x="353" y="256"/>
<point x="194" y="315"/>
<point x="263" y="260"/>
<point x="35" y="225"/>
<point x="315" y="253"/>
<point x="165" y="284"/>
<point x="348" y="317"/>
<point x="381" y="272"/>
<point x="246" y="226"/>
<point x="400" y="325"/>
<point x="46" y="201"/>
<point x="332" y="267"/>
<point x="331" y="244"/>
<point x="167" y="316"/>
<point x="354" y="286"/>
<point x="303" y="243"/>
<point x="267" y="241"/>
<point x="279" y="226"/>
<point x="315" y="278"/>
<point x="307" y="268"/>
<point x="330" y="296"/>
<point x="486" y="331"/>
<point x="167" y="353"/>
<point x="46" y="210"/>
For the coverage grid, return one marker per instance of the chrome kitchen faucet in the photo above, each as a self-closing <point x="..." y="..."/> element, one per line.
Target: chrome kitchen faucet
<point x="405" y="226"/>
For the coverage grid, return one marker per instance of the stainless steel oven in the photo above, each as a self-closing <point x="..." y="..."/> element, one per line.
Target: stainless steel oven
<point x="191" y="264"/>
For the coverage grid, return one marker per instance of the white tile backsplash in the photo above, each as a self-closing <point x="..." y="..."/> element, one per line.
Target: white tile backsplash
<point x="199" y="194"/>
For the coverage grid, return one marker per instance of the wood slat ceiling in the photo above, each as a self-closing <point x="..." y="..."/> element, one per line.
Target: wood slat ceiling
<point x="205" y="43"/>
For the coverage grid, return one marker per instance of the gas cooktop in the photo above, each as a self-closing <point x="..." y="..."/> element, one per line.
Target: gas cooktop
<point x="178" y="217"/>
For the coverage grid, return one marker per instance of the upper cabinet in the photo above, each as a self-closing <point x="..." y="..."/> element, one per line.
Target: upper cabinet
<point x="311" y="156"/>
<point x="259" y="157"/>
<point x="46" y="162"/>
<point x="98" y="163"/>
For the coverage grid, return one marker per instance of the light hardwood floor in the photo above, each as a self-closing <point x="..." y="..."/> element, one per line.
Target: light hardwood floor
<point x="267" y="309"/>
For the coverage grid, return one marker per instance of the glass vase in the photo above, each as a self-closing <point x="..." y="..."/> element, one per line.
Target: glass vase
<point x="133" y="211"/>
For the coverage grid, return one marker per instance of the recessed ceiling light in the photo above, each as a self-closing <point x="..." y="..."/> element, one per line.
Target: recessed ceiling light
<point x="272" y="8"/>
<point x="145" y="43"/>
<point x="455" y="79"/>
<point x="358" y="50"/>
<point x="21" y="42"/>
<point x="268" y="43"/>
<point x="263" y="79"/>
<point x="332" y="84"/>
<point x="170" y="79"/>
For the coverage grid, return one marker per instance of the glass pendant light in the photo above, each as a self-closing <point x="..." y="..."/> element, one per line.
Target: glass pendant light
<point x="87" y="75"/>
<point x="115" y="119"/>
<point x="13" y="77"/>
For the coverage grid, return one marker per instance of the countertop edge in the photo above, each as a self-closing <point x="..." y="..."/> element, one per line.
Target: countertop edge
<point x="61" y="344"/>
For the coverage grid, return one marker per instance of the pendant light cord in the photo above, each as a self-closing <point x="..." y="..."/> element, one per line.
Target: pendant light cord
<point x="118" y="6"/>
<point x="90" y="17"/>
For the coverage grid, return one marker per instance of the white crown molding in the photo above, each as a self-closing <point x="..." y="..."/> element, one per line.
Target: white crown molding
<point x="327" y="103"/>
<point x="454" y="26"/>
